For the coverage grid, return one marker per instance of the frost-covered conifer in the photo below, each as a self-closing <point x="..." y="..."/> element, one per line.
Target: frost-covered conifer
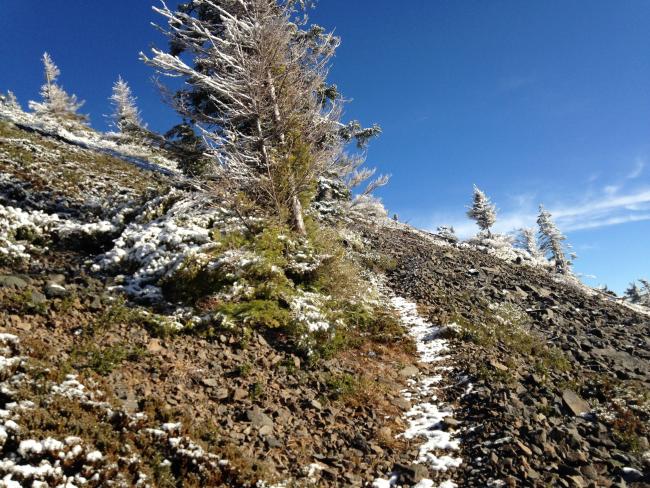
<point x="552" y="241"/>
<point x="482" y="211"/>
<point x="633" y="293"/>
<point x="528" y="241"/>
<point x="258" y="91"/>
<point x="55" y="101"/>
<point x="447" y="233"/>
<point x="126" y="116"/>
<point x="639" y="295"/>
<point x="645" y="293"/>
<point x="9" y="101"/>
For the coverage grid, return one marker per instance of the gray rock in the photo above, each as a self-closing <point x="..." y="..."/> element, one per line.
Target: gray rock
<point x="401" y="403"/>
<point x="211" y="382"/>
<point x="59" y="279"/>
<point x="221" y="393"/>
<point x="259" y="419"/>
<point x="12" y="281"/>
<point x="409" y="371"/>
<point x="55" y="290"/>
<point x="574" y="403"/>
<point x="631" y="475"/>
<point x="450" y="423"/>
<point x="36" y="298"/>
<point x="239" y="394"/>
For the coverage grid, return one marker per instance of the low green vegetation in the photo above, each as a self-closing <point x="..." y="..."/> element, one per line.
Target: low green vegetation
<point x="121" y="313"/>
<point x="265" y="277"/>
<point x="508" y="327"/>
<point x="103" y="360"/>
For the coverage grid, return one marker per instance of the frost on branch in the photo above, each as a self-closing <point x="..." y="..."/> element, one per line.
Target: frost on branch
<point x="551" y="241"/>
<point x="56" y="102"/>
<point x="18" y="228"/>
<point x="482" y="211"/>
<point x="639" y="295"/>
<point x="258" y="94"/>
<point x="126" y="116"/>
<point x="528" y="241"/>
<point x="9" y="101"/>
<point x="168" y="230"/>
<point x="448" y="233"/>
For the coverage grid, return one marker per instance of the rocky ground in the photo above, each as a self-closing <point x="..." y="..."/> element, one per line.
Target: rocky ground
<point x="560" y="374"/>
<point x="251" y="401"/>
<point x="497" y="374"/>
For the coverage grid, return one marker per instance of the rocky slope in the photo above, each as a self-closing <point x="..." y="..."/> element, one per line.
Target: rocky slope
<point x="560" y="373"/>
<point x="484" y="371"/>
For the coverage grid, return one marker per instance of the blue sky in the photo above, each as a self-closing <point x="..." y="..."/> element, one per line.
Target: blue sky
<point x="540" y="101"/>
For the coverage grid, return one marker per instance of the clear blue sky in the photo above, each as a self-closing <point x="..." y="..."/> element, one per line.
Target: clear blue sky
<point x="538" y="101"/>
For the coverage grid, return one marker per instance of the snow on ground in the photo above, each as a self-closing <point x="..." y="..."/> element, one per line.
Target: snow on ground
<point x="87" y="138"/>
<point x="69" y="461"/>
<point x="13" y="222"/>
<point x="19" y="227"/>
<point x="169" y="230"/>
<point x="35" y="462"/>
<point x="426" y="416"/>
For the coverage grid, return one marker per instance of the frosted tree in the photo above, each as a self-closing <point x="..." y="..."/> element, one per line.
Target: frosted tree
<point x="257" y="91"/>
<point x="55" y="101"/>
<point x="645" y="292"/>
<point x="639" y="295"/>
<point x="633" y="293"/>
<point x="528" y="241"/>
<point x="447" y="232"/>
<point x="126" y="116"/>
<point x="551" y="241"/>
<point x="482" y="211"/>
<point x="9" y="101"/>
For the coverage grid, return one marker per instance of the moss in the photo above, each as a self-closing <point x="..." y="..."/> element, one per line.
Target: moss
<point x="507" y="327"/>
<point x="284" y="266"/>
<point x="354" y="391"/>
<point x="120" y="313"/>
<point x="341" y="385"/>
<point x="255" y="391"/>
<point x="65" y="177"/>
<point x="265" y="314"/>
<point x="628" y="428"/>
<point x="103" y="360"/>
<point x="23" y="303"/>
<point x="243" y="370"/>
<point x="356" y="324"/>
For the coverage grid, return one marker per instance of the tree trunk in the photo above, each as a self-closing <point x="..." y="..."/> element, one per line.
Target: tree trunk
<point x="296" y="207"/>
<point x="298" y="221"/>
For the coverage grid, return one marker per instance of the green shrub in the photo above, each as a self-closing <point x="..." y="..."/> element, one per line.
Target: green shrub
<point x="266" y="314"/>
<point x="104" y="360"/>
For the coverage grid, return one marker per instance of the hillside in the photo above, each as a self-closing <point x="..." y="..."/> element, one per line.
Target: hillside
<point x="458" y="367"/>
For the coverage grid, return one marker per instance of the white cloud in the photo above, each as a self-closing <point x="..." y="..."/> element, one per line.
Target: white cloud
<point x="595" y="224"/>
<point x="639" y="166"/>
<point x="614" y="205"/>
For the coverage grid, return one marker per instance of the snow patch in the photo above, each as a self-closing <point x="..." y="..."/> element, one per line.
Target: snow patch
<point x="426" y="416"/>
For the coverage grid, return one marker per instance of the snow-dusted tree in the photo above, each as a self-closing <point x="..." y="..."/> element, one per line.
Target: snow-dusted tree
<point x="639" y="295"/>
<point x="126" y="116"/>
<point x="482" y="211"/>
<point x="447" y="232"/>
<point x="528" y="241"/>
<point x="9" y="101"/>
<point x="55" y="101"/>
<point x="257" y="90"/>
<point x="645" y="292"/>
<point x="551" y="241"/>
<point x="633" y="293"/>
